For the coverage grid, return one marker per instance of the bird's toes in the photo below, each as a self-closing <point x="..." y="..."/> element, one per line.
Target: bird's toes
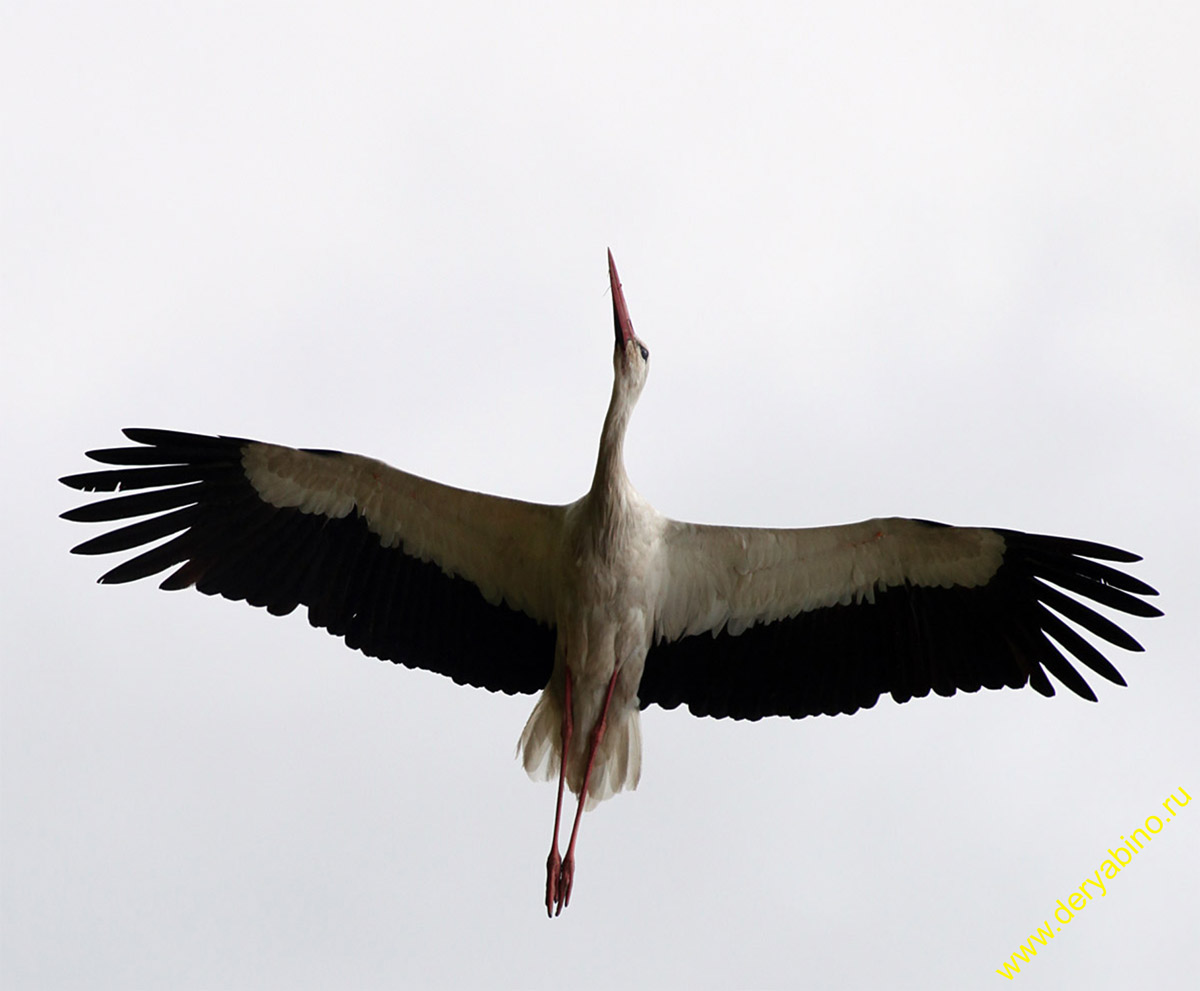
<point x="553" y="886"/>
<point x="566" y="879"/>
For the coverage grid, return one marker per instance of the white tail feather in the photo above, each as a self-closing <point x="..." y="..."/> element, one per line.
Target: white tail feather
<point x="540" y="746"/>
<point x="618" y="764"/>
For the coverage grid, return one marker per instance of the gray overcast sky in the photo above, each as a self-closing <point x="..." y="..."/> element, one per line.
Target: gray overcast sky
<point x="917" y="260"/>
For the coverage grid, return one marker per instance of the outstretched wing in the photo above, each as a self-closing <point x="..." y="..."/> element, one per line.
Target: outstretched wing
<point x="403" y="568"/>
<point x="757" y="622"/>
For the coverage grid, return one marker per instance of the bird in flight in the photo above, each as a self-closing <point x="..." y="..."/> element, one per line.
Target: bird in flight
<point x="604" y="606"/>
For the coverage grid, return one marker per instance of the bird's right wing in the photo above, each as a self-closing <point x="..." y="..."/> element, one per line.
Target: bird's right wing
<point x="756" y="622"/>
<point x="403" y="568"/>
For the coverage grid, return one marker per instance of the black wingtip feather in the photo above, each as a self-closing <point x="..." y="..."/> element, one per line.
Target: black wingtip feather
<point x="1070" y="546"/>
<point x="142" y="532"/>
<point x="156" y="437"/>
<point x="1077" y="646"/>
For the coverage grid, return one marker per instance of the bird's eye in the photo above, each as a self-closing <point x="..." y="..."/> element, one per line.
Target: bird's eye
<point x="645" y="352"/>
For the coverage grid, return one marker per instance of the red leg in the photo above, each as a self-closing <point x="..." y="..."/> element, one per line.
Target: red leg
<point x="567" y="873"/>
<point x="554" y="862"/>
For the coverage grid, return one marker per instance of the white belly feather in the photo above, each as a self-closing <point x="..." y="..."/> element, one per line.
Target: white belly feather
<point x="607" y="622"/>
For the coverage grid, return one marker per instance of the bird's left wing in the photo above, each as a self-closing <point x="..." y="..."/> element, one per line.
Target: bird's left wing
<point x="403" y="568"/>
<point x="757" y="622"/>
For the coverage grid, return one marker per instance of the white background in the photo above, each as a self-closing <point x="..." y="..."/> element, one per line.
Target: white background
<point x="917" y="259"/>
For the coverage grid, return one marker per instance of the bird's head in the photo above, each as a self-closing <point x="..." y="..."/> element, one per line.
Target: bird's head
<point x="631" y="358"/>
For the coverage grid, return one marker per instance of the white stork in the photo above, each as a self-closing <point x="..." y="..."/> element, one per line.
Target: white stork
<point x="604" y="605"/>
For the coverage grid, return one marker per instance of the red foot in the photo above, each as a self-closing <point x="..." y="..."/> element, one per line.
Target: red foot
<point x="566" y="878"/>
<point x="560" y="876"/>
<point x="553" y="883"/>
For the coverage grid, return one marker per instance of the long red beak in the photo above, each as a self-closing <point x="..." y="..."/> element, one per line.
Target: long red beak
<point x="621" y="321"/>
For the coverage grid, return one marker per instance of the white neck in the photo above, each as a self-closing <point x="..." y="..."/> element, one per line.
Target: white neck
<point x="610" y="463"/>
